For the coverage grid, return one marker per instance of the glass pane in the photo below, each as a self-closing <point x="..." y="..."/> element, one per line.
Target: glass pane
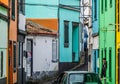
<point x="54" y="50"/>
<point x="76" y="78"/>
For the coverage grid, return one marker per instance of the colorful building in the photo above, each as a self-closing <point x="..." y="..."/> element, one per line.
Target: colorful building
<point x="95" y="35"/>
<point x="107" y="38"/>
<point x="13" y="55"/>
<point x="44" y="50"/>
<point x="117" y="41"/>
<point x="21" y="42"/>
<point x="46" y="15"/>
<point x="4" y="27"/>
<point x="69" y="34"/>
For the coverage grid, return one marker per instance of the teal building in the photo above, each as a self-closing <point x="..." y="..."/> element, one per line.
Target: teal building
<point x="69" y="33"/>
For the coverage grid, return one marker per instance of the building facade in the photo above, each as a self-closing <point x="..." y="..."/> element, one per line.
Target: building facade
<point x="95" y="35"/>
<point x="46" y="15"/>
<point x="44" y="50"/>
<point x="21" y="43"/>
<point x="13" y="28"/>
<point x="4" y="27"/>
<point x="107" y="38"/>
<point x="117" y="41"/>
<point x="69" y="34"/>
<point x="69" y="51"/>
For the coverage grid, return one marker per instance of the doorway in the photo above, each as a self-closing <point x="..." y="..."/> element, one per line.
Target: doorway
<point x="75" y="42"/>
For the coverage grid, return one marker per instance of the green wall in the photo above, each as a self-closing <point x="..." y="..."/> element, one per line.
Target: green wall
<point x="107" y="38"/>
<point x="3" y="40"/>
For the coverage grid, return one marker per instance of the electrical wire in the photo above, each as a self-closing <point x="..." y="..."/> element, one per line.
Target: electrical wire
<point x="49" y="5"/>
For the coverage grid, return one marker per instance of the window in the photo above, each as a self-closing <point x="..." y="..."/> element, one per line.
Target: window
<point x="14" y="50"/>
<point x="119" y="65"/>
<point x="22" y="6"/>
<point x="110" y="3"/>
<point x="102" y="55"/>
<point x="13" y="9"/>
<point x="95" y="9"/>
<point x="76" y="78"/>
<point x="20" y="53"/>
<point x="105" y="5"/>
<point x="54" y="50"/>
<point x="66" y="34"/>
<point x="105" y="52"/>
<point x="102" y="6"/>
<point x="110" y="62"/>
<point x="1" y="68"/>
<point x="95" y="61"/>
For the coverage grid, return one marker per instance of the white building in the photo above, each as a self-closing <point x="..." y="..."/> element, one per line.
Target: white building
<point x="42" y="50"/>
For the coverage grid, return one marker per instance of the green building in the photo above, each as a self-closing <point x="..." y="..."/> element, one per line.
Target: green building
<point x="107" y="38"/>
<point x="3" y="43"/>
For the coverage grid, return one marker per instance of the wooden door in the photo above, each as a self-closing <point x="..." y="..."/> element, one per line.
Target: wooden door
<point x="10" y="64"/>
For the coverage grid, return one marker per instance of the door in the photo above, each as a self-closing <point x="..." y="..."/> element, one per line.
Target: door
<point x="75" y="42"/>
<point x="29" y="64"/>
<point x="10" y="63"/>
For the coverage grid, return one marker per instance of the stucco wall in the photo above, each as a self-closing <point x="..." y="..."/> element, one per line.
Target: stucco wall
<point x="42" y="11"/>
<point x="42" y="56"/>
<point x="21" y="22"/>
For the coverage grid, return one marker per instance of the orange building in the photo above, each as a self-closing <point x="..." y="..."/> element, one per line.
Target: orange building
<point x="13" y="42"/>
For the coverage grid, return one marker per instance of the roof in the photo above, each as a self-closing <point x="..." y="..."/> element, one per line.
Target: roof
<point x="4" y="3"/>
<point x="37" y="29"/>
<point x="51" y="23"/>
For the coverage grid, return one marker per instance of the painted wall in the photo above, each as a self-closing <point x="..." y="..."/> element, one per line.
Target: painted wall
<point x="95" y="21"/>
<point x="13" y="24"/>
<point x="71" y="16"/>
<point x="4" y="28"/>
<point x="107" y="38"/>
<point x="42" y="11"/>
<point x="4" y="43"/>
<point x="42" y="56"/>
<point x="22" y="22"/>
<point x="13" y="37"/>
<point x="68" y="2"/>
<point x="117" y="41"/>
<point x="96" y="42"/>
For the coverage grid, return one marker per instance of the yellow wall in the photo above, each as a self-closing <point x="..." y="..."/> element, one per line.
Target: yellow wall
<point x="117" y="38"/>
